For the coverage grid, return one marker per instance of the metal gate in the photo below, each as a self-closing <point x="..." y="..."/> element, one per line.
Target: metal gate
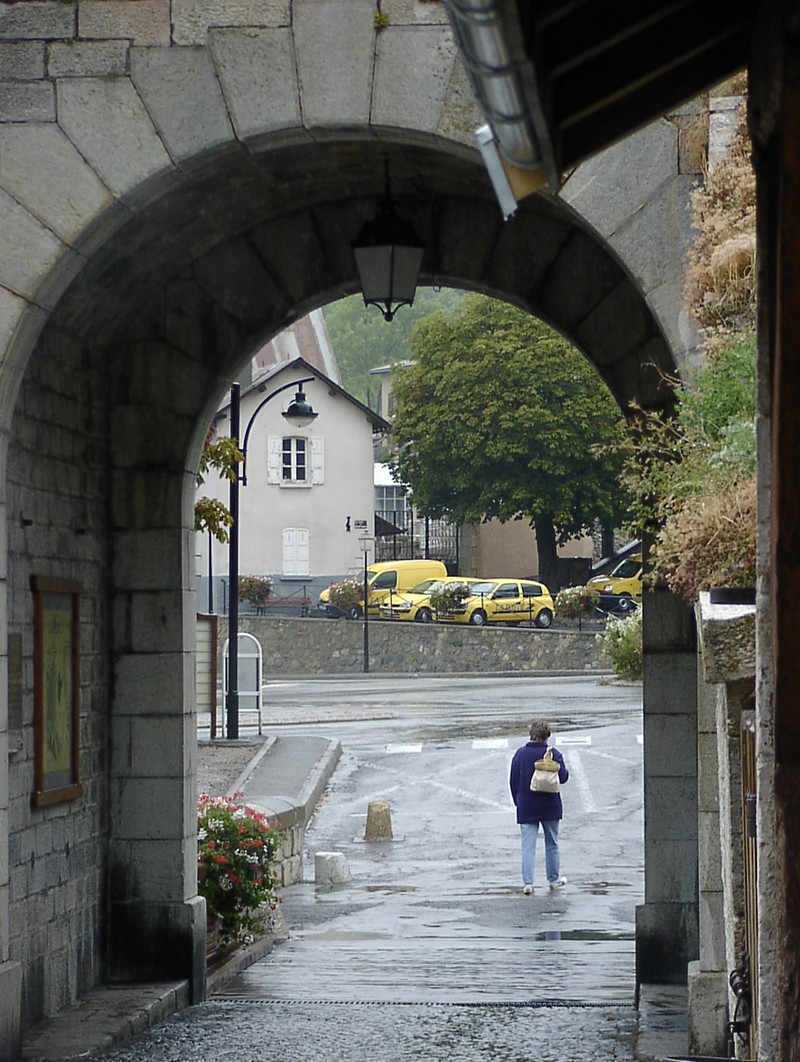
<point x="406" y="536"/>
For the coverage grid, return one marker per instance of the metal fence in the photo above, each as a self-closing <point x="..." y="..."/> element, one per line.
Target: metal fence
<point x="401" y="535"/>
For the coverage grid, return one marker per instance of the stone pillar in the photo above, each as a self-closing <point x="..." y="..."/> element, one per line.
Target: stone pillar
<point x="667" y="922"/>
<point x="10" y="972"/>
<point x="707" y="978"/>
<point x="157" y="924"/>
<point x="774" y="111"/>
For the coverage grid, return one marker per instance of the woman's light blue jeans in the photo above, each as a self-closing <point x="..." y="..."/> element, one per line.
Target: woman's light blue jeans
<point x="530" y="831"/>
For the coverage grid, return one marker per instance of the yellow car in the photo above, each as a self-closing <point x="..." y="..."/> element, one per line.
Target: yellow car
<point x="415" y="605"/>
<point x="510" y="601"/>
<point x="625" y="581"/>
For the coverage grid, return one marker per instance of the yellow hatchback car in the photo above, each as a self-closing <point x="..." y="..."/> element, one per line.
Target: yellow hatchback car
<point x="415" y="605"/>
<point x="509" y="601"/>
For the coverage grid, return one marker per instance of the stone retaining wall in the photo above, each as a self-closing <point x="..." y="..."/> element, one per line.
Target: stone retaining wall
<point x="324" y="646"/>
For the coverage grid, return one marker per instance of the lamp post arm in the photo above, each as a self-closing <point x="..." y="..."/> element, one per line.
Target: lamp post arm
<point x="284" y="387"/>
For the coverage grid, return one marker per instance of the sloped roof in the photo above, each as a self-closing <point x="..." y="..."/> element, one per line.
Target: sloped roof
<point x="263" y="378"/>
<point x="306" y="338"/>
<point x="560" y="80"/>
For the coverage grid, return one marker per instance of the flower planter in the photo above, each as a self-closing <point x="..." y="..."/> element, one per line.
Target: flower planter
<point x="733" y="595"/>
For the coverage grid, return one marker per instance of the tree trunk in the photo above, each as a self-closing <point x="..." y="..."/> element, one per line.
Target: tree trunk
<point x="546" y="549"/>
<point x="606" y="541"/>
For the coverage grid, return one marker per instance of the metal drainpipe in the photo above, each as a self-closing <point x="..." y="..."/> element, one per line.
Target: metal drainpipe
<point x="478" y="29"/>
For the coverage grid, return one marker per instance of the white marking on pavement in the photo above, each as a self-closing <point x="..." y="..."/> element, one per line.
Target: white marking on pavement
<point x="578" y="773"/>
<point x="640" y="739"/>
<point x="572" y="739"/>
<point x="616" y="759"/>
<point x="394" y="750"/>
<point x="463" y="793"/>
<point x="490" y="743"/>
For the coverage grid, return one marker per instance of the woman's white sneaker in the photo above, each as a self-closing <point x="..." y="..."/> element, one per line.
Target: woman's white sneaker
<point x="528" y="889"/>
<point x="559" y="883"/>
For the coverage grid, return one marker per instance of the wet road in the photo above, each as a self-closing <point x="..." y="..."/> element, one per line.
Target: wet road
<point x="431" y="951"/>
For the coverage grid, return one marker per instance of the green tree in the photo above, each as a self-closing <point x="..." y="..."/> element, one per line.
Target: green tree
<point x="362" y="340"/>
<point x="222" y="455"/>
<point x="498" y="416"/>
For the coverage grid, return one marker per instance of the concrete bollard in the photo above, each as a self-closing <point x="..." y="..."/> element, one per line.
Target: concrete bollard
<point x="379" y="822"/>
<point x="330" y="868"/>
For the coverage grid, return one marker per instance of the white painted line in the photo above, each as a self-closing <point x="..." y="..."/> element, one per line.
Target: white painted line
<point x="394" y="750"/>
<point x="572" y="739"/>
<point x="578" y="775"/>
<point x="640" y="739"/>
<point x="490" y="743"/>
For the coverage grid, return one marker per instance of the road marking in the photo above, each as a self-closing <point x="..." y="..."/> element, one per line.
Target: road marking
<point x="578" y="773"/>
<point x="394" y="750"/>
<point x="640" y="739"/>
<point x="572" y="739"/>
<point x="455" y="790"/>
<point x="490" y="743"/>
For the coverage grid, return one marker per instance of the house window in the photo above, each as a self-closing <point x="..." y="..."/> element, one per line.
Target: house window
<point x="392" y="502"/>
<point x="293" y="461"/>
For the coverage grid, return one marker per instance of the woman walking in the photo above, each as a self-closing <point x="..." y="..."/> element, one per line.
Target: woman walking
<point x="535" y="808"/>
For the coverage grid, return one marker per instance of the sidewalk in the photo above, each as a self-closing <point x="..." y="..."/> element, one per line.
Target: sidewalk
<point x="286" y="776"/>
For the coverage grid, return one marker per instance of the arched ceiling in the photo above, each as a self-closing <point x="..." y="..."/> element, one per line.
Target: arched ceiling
<point x="240" y="243"/>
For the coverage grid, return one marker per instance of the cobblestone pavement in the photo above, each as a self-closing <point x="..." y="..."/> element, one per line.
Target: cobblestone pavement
<point x="285" y="1031"/>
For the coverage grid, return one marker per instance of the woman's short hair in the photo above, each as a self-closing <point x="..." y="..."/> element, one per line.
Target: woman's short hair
<point x="540" y="730"/>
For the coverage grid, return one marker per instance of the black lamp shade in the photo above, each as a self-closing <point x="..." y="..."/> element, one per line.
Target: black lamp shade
<point x="388" y="257"/>
<point x="299" y="411"/>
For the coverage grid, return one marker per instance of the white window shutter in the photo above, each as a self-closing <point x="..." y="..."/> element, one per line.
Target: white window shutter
<point x="274" y="454"/>
<point x="302" y="551"/>
<point x="317" y="460"/>
<point x="289" y="551"/>
<point x="296" y="551"/>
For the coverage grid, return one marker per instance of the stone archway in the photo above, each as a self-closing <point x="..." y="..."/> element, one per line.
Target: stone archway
<point x="162" y="248"/>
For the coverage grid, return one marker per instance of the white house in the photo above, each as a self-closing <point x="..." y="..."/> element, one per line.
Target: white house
<point x="308" y="492"/>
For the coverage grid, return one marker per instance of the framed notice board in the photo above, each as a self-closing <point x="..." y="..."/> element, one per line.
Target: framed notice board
<point x="56" y="690"/>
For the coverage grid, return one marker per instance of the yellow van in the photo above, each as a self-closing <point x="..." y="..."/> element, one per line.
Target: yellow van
<point x="624" y="581"/>
<point x="386" y="578"/>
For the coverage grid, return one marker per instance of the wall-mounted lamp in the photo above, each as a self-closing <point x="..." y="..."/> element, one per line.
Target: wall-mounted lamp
<point x="388" y="256"/>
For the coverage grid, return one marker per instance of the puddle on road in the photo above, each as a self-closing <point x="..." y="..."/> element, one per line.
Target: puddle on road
<point x="389" y="888"/>
<point x="585" y="935"/>
<point x="601" y="888"/>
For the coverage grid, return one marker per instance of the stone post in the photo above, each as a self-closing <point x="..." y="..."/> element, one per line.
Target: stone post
<point x="667" y="922"/>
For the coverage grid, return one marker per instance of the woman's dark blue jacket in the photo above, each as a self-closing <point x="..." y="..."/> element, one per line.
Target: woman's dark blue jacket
<point x="535" y="807"/>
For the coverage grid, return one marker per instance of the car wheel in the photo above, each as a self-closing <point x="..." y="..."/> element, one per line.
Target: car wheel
<point x="354" y="612"/>
<point x="544" y="619"/>
<point x="626" y="603"/>
<point x="478" y="618"/>
<point x="423" y="616"/>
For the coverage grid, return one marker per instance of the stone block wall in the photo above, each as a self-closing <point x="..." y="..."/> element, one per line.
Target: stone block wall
<point x="56" y="507"/>
<point x="324" y="646"/>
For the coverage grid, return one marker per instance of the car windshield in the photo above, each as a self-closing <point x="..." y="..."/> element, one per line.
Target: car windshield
<point x="424" y="587"/>
<point x="627" y="569"/>
<point x="481" y="588"/>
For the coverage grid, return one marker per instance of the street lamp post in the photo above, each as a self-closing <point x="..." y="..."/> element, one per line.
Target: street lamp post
<point x="366" y="542"/>
<point x="300" y="413"/>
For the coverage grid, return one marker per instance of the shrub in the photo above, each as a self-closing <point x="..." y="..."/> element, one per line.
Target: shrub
<point x="345" y="594"/>
<point x="236" y="847"/>
<point x="255" y="589"/>
<point x="572" y="602"/>
<point x="621" y="642"/>
<point x="449" y="596"/>
<point x="709" y="542"/>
